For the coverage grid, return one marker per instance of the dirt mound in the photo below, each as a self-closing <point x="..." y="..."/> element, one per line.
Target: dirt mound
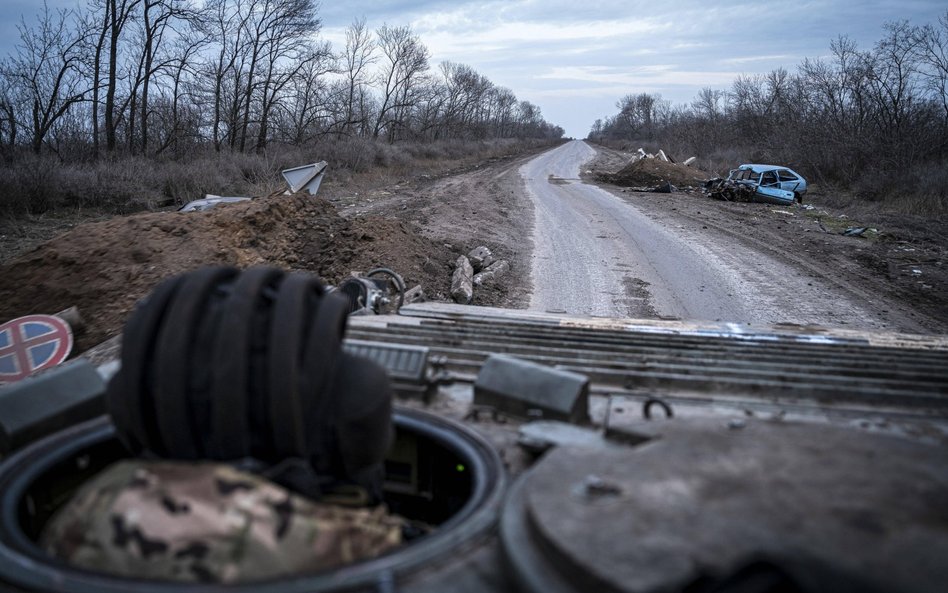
<point x="103" y="268"/>
<point x="652" y="172"/>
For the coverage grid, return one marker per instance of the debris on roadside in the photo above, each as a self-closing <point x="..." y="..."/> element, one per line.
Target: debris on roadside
<point x="664" y="188"/>
<point x="477" y="269"/>
<point x="414" y="295"/>
<point x="305" y="178"/>
<point x="492" y="272"/>
<point x="855" y="231"/>
<point x="768" y="184"/>
<point x="660" y="155"/>
<point x="462" y="281"/>
<point x="480" y="258"/>
<point x="208" y="202"/>
<point x="382" y="290"/>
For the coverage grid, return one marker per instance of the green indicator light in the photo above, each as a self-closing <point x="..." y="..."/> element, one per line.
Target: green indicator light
<point x="460" y="467"/>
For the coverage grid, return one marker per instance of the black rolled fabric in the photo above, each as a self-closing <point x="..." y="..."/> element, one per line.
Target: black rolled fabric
<point x="232" y="365"/>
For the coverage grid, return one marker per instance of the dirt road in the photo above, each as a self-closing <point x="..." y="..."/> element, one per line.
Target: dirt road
<point x="572" y="246"/>
<point x="599" y="254"/>
<point x="596" y="255"/>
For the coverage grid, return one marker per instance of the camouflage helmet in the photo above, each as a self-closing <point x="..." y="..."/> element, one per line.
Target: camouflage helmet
<point x="227" y="365"/>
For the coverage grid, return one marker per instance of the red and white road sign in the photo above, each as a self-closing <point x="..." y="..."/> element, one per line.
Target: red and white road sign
<point x="31" y="343"/>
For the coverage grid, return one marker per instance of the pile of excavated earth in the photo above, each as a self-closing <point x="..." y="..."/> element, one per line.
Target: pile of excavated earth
<point x="103" y="268"/>
<point x="649" y="173"/>
<point x="419" y="228"/>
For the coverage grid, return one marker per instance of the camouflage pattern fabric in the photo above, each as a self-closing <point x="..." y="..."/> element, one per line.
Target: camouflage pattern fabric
<point x="208" y="522"/>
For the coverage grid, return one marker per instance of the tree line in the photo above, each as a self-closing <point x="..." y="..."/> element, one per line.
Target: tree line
<point x="168" y="77"/>
<point x="875" y="120"/>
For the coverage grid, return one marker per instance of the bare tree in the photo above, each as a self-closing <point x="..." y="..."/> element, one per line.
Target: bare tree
<point x="180" y="68"/>
<point x="158" y="21"/>
<point x="357" y="58"/>
<point x="44" y="74"/>
<point x="504" y="102"/>
<point x="404" y="63"/>
<point x="224" y="24"/>
<point x="96" y="19"/>
<point x="932" y="51"/>
<point x="304" y="111"/>
<point x="119" y="13"/>
<point x="287" y="51"/>
<point x="892" y="77"/>
<point x="8" y="120"/>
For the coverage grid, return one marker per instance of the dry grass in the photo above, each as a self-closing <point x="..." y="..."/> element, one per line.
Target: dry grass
<point x="33" y="186"/>
<point x="921" y="190"/>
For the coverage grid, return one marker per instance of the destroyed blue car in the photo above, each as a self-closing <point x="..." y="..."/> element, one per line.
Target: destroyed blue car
<point x="770" y="184"/>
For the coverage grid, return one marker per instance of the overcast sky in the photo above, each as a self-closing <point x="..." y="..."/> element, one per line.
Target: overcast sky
<point x="576" y="58"/>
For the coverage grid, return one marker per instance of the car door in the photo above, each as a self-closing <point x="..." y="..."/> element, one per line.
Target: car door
<point x="769" y="179"/>
<point x="788" y="180"/>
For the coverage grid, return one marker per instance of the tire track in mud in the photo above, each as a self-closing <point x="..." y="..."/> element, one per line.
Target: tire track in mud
<point x="583" y="232"/>
<point x="596" y="255"/>
<point x="868" y="274"/>
<point x="881" y="315"/>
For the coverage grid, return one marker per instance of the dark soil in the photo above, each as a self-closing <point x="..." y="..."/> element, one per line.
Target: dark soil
<point x="103" y="268"/>
<point x="648" y="173"/>
<point x="482" y="206"/>
<point x="417" y="227"/>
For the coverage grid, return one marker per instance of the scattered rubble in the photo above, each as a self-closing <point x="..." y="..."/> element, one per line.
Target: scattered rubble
<point x="477" y="269"/>
<point x="305" y="178"/>
<point x="462" y="282"/>
<point x="415" y="295"/>
<point x="492" y="272"/>
<point x="480" y="258"/>
<point x="209" y="201"/>
<point x="855" y="231"/>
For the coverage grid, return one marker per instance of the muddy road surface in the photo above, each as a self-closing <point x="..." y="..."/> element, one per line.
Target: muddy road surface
<point x="598" y="253"/>
<point x="575" y="244"/>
